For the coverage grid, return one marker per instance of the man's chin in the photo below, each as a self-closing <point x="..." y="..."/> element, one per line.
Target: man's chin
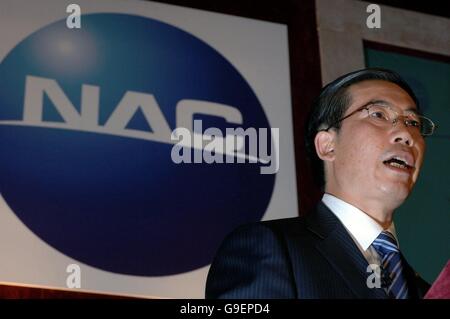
<point x="396" y="193"/>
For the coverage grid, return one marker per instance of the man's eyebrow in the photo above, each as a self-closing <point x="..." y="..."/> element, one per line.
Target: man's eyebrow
<point x="388" y="104"/>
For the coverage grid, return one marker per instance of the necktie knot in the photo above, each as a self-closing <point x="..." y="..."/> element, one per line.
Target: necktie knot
<point x="385" y="244"/>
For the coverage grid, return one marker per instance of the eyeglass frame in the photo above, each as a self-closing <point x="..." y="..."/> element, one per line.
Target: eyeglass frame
<point x="379" y="102"/>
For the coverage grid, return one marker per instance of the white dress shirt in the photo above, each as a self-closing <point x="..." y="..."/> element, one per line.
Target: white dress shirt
<point x="361" y="227"/>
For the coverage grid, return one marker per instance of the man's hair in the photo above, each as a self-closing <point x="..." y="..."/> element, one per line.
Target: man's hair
<point x="332" y="103"/>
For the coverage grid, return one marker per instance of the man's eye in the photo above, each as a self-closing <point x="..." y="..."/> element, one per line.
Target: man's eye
<point x="379" y="115"/>
<point x="413" y="123"/>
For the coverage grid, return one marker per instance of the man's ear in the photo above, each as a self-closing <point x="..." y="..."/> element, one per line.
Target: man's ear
<point x="325" y="142"/>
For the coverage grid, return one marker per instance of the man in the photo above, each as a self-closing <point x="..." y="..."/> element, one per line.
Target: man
<point x="365" y="135"/>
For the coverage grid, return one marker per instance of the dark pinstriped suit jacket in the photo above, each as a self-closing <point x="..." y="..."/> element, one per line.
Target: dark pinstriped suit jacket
<point x="301" y="257"/>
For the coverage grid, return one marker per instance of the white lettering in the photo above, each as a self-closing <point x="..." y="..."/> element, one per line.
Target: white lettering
<point x="209" y="146"/>
<point x="374" y="279"/>
<point x="74" y="19"/>
<point x="74" y="279"/>
<point x="374" y="19"/>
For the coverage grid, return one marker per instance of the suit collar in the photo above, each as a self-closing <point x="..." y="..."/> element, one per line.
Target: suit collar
<point x="341" y="252"/>
<point x="362" y="227"/>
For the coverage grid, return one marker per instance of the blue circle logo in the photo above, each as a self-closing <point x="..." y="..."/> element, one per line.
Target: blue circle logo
<point x="117" y="201"/>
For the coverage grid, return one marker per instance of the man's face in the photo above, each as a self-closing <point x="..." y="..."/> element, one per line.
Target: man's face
<point x="362" y="149"/>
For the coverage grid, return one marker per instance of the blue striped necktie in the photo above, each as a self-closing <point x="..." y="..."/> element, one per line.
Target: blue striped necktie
<point x="391" y="263"/>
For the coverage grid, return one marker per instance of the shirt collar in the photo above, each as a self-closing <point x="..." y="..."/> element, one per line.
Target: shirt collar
<point x="361" y="226"/>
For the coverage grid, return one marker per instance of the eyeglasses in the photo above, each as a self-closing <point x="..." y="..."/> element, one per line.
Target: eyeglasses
<point x="381" y="114"/>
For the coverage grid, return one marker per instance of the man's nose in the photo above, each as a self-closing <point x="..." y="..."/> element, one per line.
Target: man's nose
<point x="402" y="134"/>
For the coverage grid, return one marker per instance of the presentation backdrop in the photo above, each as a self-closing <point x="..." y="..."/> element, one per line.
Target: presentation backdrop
<point x="99" y="191"/>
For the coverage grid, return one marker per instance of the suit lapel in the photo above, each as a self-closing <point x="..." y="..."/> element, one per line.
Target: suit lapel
<point x="341" y="252"/>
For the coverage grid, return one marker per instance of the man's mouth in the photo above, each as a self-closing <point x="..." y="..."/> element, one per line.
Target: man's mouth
<point x="400" y="162"/>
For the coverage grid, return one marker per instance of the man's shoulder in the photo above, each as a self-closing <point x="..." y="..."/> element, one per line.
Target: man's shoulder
<point x="253" y="262"/>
